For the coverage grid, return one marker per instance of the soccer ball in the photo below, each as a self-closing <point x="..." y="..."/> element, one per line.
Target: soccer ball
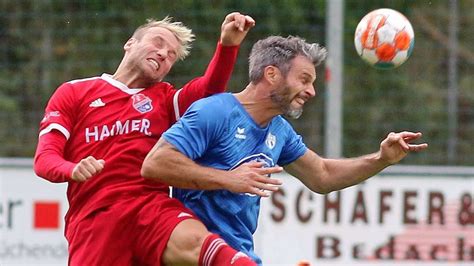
<point x="384" y="38"/>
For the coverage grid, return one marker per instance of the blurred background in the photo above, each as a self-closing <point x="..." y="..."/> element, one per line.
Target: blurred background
<point x="44" y="43"/>
<point x="420" y="213"/>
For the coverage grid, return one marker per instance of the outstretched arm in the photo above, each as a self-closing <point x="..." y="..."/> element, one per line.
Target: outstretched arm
<point x="166" y="164"/>
<point x="325" y="175"/>
<point x="233" y="31"/>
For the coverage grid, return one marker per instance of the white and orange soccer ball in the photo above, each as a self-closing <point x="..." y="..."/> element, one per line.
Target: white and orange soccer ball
<point x="384" y="38"/>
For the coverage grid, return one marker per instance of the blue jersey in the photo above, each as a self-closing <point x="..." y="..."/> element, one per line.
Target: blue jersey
<point x="218" y="132"/>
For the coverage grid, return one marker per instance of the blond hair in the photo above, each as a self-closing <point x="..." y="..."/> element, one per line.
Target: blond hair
<point x="184" y="34"/>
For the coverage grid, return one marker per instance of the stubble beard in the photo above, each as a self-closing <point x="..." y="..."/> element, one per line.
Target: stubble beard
<point x="281" y="97"/>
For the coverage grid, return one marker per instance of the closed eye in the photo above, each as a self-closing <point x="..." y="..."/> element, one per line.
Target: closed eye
<point x="158" y="42"/>
<point x="306" y="81"/>
<point x="172" y="55"/>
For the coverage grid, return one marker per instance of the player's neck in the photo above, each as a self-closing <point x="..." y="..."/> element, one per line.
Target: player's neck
<point x="258" y="104"/>
<point x="131" y="81"/>
<point x="126" y="74"/>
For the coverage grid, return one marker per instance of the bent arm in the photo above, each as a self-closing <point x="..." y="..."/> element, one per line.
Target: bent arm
<point x="213" y="81"/>
<point x="233" y="31"/>
<point x="166" y="164"/>
<point x="219" y="70"/>
<point x="49" y="162"/>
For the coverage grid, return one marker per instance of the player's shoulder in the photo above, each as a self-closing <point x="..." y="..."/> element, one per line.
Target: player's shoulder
<point x="215" y="106"/>
<point x="79" y="84"/>
<point x="163" y="91"/>
<point x="83" y="80"/>
<point x="162" y="85"/>
<point x="218" y="101"/>
<point x="282" y="123"/>
<point x="71" y="87"/>
<point x="281" y="120"/>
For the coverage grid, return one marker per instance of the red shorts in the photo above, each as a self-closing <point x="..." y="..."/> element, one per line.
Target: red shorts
<point x="129" y="232"/>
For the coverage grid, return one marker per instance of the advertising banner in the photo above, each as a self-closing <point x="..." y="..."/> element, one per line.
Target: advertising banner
<point x="387" y="220"/>
<point x="391" y="219"/>
<point x="31" y="219"/>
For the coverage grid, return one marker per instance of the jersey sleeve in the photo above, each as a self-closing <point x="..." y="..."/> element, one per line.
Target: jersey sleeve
<point x="49" y="162"/>
<point x="59" y="112"/>
<point x="213" y="81"/>
<point x="293" y="148"/>
<point x="197" y="129"/>
<point x="54" y="132"/>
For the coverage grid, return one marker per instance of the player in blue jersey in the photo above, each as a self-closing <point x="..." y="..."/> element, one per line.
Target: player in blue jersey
<point x="220" y="154"/>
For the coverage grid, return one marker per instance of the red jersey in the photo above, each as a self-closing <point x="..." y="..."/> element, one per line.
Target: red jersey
<point x="104" y="118"/>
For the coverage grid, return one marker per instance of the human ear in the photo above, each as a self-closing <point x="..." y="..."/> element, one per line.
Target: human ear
<point x="272" y="74"/>
<point x="129" y="44"/>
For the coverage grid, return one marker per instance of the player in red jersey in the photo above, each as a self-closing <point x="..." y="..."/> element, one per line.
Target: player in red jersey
<point x="96" y="133"/>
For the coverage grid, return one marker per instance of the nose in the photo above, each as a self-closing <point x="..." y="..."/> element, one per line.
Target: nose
<point x="162" y="53"/>
<point x="311" y="91"/>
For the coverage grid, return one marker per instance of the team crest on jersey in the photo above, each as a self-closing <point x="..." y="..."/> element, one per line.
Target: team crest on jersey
<point x="260" y="157"/>
<point x="270" y="141"/>
<point x="141" y="103"/>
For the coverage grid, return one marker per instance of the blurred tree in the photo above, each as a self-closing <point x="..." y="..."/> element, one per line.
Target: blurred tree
<point x="44" y="43"/>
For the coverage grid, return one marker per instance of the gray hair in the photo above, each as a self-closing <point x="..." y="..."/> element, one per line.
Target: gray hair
<point x="279" y="51"/>
<point x="180" y="31"/>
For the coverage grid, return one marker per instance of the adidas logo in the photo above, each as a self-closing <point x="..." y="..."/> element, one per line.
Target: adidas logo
<point x="97" y="103"/>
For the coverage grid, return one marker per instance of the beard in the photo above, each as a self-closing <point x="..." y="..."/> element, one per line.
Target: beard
<point x="283" y="99"/>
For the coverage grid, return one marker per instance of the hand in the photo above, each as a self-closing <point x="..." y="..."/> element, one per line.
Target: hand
<point x="234" y="28"/>
<point x="87" y="168"/>
<point x="254" y="179"/>
<point x="397" y="145"/>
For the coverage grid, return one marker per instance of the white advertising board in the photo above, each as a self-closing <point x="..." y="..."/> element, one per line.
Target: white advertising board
<point x="31" y="219"/>
<point x="387" y="220"/>
<point x="406" y="219"/>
